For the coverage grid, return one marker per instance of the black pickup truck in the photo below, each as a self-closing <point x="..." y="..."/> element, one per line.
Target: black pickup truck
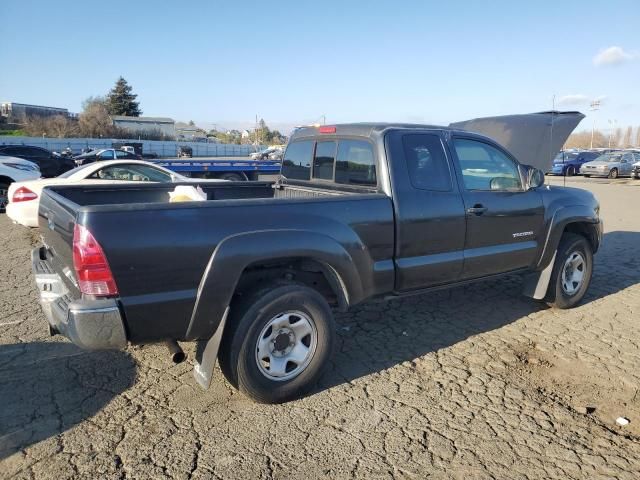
<point x="361" y="211"/>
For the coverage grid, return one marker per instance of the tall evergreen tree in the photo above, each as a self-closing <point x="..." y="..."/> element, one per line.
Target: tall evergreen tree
<point x="120" y="100"/>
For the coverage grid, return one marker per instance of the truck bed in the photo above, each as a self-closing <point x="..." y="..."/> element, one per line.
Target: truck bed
<point x="159" y="251"/>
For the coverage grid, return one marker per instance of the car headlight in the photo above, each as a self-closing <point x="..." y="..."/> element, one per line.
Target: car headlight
<point x="20" y="166"/>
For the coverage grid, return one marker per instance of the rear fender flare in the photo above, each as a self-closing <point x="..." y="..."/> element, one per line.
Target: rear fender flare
<point x="235" y="253"/>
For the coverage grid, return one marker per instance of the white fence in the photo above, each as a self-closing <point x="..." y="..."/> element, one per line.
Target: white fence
<point x="162" y="149"/>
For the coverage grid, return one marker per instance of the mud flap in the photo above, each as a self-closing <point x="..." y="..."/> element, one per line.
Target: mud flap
<point x="206" y="357"/>
<point x="536" y="284"/>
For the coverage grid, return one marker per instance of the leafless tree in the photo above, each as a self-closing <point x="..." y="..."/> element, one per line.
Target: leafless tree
<point x="626" y="142"/>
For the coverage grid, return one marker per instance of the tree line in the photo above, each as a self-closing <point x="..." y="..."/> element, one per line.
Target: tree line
<point x="618" y="138"/>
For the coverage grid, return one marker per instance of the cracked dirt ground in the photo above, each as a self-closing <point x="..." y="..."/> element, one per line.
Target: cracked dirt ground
<point x="477" y="382"/>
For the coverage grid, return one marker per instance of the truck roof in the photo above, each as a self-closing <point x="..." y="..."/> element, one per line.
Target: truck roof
<point x="364" y="129"/>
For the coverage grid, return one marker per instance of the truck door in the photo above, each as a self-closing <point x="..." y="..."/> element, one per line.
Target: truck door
<point x="430" y="217"/>
<point x="504" y="219"/>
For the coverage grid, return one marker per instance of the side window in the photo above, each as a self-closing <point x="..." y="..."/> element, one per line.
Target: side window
<point x="426" y="162"/>
<point x="106" y="155"/>
<point x="626" y="158"/>
<point x="121" y="154"/>
<point x="355" y="164"/>
<point x="132" y="173"/>
<point x="296" y="164"/>
<point x="323" y="160"/>
<point x="485" y="167"/>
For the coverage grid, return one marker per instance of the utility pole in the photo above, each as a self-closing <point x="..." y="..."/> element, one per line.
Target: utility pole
<point x="595" y="106"/>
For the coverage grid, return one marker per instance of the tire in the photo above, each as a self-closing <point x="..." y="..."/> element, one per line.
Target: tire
<point x="4" y="196"/>
<point x="613" y="173"/>
<point x="571" y="171"/>
<point x="232" y="177"/>
<point x="563" y="293"/>
<point x="254" y="321"/>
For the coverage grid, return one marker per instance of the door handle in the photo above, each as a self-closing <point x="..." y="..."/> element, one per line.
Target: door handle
<point x="477" y="209"/>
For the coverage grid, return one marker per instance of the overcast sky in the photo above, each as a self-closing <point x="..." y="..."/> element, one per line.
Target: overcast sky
<point x="292" y="62"/>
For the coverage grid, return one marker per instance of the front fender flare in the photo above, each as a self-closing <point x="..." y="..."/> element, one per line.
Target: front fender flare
<point x="562" y="217"/>
<point x="233" y="254"/>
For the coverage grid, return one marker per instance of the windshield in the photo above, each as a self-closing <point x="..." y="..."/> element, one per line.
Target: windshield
<point x="565" y="157"/>
<point x="609" y="158"/>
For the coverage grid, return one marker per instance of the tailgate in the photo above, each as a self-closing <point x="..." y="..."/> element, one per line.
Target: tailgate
<point x="56" y="219"/>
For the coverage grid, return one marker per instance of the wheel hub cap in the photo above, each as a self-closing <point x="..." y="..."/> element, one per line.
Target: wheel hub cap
<point x="573" y="273"/>
<point x="286" y="345"/>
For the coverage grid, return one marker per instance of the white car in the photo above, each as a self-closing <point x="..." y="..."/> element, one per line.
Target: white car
<point x="24" y="197"/>
<point x="14" y="169"/>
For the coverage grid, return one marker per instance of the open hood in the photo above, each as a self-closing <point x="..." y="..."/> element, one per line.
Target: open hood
<point x="533" y="138"/>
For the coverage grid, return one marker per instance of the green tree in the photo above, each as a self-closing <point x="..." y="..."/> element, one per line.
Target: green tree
<point x="121" y="100"/>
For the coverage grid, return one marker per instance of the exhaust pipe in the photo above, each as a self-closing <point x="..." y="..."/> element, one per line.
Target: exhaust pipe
<point x="177" y="355"/>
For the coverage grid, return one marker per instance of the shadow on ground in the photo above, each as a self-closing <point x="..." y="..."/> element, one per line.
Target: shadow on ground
<point x="378" y="336"/>
<point x="47" y="388"/>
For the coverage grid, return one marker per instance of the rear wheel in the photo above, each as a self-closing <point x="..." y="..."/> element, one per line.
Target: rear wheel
<point x="571" y="273"/>
<point x="4" y="196"/>
<point x="613" y="173"/>
<point x="278" y="343"/>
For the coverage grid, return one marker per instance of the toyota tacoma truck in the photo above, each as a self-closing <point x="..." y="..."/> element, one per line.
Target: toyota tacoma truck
<point x="361" y="211"/>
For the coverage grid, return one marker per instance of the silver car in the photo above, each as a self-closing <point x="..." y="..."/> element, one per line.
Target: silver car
<point x="611" y="165"/>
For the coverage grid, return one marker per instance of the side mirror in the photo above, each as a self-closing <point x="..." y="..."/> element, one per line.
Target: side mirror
<point x="535" y="178"/>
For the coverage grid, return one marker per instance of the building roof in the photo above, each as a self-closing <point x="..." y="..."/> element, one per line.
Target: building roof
<point x="125" y="118"/>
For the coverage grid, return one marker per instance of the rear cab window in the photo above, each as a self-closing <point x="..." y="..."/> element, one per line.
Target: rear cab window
<point x="342" y="161"/>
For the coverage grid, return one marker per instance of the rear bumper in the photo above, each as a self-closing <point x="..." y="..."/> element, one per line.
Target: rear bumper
<point x="90" y="324"/>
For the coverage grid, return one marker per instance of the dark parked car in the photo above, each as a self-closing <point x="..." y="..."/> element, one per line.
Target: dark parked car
<point x="50" y="165"/>
<point x="568" y="163"/>
<point x="104" y="154"/>
<point x="361" y="211"/>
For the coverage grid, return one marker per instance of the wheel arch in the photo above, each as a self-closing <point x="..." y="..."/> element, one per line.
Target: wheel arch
<point x="244" y="259"/>
<point x="579" y="219"/>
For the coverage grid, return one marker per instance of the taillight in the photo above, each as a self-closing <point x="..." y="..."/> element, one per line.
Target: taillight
<point x="23" y="194"/>
<point x="325" y="129"/>
<point x="92" y="268"/>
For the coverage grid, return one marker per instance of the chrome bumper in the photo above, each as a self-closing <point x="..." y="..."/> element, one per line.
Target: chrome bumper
<point x="90" y="324"/>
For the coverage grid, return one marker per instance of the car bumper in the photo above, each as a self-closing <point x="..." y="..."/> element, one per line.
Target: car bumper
<point x="90" y="324"/>
<point x="556" y="170"/>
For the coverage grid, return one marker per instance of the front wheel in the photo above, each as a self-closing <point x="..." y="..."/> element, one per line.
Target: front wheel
<point x="613" y="173"/>
<point x="278" y="343"/>
<point x="571" y="273"/>
<point x="571" y="171"/>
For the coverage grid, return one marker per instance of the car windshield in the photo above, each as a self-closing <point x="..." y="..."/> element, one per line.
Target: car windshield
<point x="609" y="158"/>
<point x="565" y="157"/>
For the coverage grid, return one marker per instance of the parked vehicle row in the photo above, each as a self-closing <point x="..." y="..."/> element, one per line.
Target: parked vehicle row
<point x="360" y="211"/>
<point x="610" y="163"/>
<point x="50" y="165"/>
